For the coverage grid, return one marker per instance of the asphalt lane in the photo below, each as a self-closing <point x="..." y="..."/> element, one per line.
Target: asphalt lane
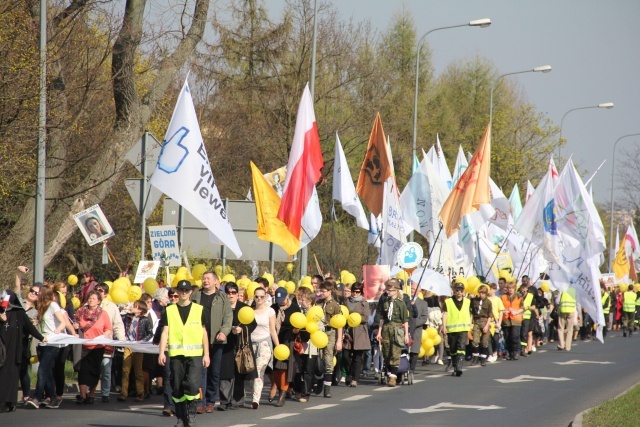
<point x="546" y="389"/>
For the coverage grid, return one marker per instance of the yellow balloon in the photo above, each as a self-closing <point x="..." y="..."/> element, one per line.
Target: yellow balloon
<point x="218" y="270"/>
<point x="343" y="275"/>
<point x="243" y="282"/>
<point x="298" y="320"/>
<point x="335" y="361"/>
<point x="124" y="282"/>
<point x="290" y="267"/>
<point x="338" y="321"/>
<point x="183" y="270"/>
<point x="246" y="315"/>
<point x="308" y="286"/>
<point x="319" y="339"/>
<point x="119" y="296"/>
<point x="108" y="297"/>
<point x="118" y="285"/>
<point x="290" y="287"/>
<point x="315" y="314"/>
<point x="623" y="287"/>
<point x="344" y="310"/>
<point x="545" y="286"/>
<point x="354" y="319"/>
<point x="636" y="287"/>
<point x="281" y="352"/>
<point x="134" y="294"/>
<point x="76" y="302"/>
<point x="421" y="296"/>
<point x="269" y="277"/>
<point x="197" y="283"/>
<point x="472" y="283"/>
<point x="462" y="280"/>
<point x="198" y="271"/>
<point x="431" y="333"/>
<point x="282" y="283"/>
<point x="431" y="352"/>
<point x="306" y="280"/>
<point x="178" y="277"/>
<point x="72" y="279"/>
<point x="228" y="278"/>
<point x="427" y="343"/>
<point x="402" y="275"/>
<point x="63" y="300"/>
<point x="251" y="289"/>
<point x="350" y="279"/>
<point x="422" y="352"/>
<point x="150" y="285"/>
<point x="311" y="327"/>
<point x="437" y="340"/>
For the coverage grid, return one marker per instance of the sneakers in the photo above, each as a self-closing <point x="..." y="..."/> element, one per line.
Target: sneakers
<point x="54" y="404"/>
<point x="35" y="403"/>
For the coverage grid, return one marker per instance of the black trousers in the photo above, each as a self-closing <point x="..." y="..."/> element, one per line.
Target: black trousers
<point x="356" y="364"/>
<point x="186" y="376"/>
<point x="458" y="343"/>
<point x="512" y="339"/>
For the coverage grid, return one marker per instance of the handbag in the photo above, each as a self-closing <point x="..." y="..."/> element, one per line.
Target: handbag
<point x="297" y="345"/>
<point x="244" y="358"/>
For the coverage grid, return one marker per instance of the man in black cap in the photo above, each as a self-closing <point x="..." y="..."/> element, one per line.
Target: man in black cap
<point x="456" y="324"/>
<point x="185" y="335"/>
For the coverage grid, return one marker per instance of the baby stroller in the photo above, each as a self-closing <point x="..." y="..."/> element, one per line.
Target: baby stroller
<point x="404" y="374"/>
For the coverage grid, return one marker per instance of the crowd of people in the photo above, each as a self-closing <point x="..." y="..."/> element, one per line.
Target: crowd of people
<point x="200" y="330"/>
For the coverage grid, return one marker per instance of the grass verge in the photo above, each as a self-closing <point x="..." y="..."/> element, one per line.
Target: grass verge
<point x="621" y="411"/>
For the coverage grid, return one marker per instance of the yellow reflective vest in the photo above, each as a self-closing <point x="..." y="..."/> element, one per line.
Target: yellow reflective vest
<point x="629" y="302"/>
<point x="185" y="339"/>
<point x="458" y="320"/>
<point x="568" y="301"/>
<point x="528" y="300"/>
<point x="606" y="303"/>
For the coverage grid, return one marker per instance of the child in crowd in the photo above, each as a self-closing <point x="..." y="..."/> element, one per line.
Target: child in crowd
<point x="138" y="328"/>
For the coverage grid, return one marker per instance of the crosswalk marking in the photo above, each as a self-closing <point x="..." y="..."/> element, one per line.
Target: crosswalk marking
<point x="281" y="416"/>
<point x="357" y="397"/>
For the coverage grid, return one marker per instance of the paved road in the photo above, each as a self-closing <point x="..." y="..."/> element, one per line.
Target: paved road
<point x="569" y="386"/>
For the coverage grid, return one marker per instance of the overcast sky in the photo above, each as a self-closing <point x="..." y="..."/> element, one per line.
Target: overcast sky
<point x="593" y="47"/>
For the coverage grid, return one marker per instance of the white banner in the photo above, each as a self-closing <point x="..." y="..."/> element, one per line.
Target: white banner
<point x="136" y="346"/>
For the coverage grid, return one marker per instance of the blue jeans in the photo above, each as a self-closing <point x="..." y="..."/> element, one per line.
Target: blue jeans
<point x="105" y="376"/>
<point x="211" y="375"/>
<point x="46" y="383"/>
<point x="366" y="366"/>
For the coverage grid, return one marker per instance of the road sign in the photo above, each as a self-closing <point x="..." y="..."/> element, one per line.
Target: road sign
<point x="135" y="156"/>
<point x="525" y="378"/>
<point x="582" y="362"/>
<point x="151" y="198"/>
<point x="409" y="255"/>
<point x="449" y="406"/>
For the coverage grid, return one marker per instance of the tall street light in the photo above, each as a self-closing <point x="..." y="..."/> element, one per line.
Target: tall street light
<point x="613" y="172"/>
<point x="482" y="23"/>
<point x="605" y="105"/>
<point x="541" y="69"/>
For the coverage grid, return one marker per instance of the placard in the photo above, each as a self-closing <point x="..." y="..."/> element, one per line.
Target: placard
<point x="164" y="240"/>
<point x="94" y="225"/>
<point x="145" y="270"/>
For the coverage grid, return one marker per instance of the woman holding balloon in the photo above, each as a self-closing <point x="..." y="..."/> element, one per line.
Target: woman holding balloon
<point x="285" y="368"/>
<point x="358" y="330"/>
<point x="262" y="339"/>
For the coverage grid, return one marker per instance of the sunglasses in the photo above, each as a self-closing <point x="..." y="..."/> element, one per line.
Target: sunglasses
<point x="174" y="296"/>
<point x="260" y="296"/>
<point x="231" y="292"/>
<point x="356" y="292"/>
<point x="33" y="291"/>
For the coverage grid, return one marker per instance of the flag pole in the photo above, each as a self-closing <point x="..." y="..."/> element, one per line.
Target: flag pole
<point x="500" y="249"/>
<point x="522" y="265"/>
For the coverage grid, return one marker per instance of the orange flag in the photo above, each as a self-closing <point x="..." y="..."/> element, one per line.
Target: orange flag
<point x="471" y="190"/>
<point x="375" y="169"/>
<point x="270" y="228"/>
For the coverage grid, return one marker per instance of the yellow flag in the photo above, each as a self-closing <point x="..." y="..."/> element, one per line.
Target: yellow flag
<point x="621" y="263"/>
<point x="375" y="169"/>
<point x="270" y="228"/>
<point x="472" y="188"/>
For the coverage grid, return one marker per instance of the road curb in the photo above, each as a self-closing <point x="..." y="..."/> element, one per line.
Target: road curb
<point x="577" y="420"/>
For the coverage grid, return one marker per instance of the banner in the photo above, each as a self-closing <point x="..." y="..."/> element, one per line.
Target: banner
<point x="164" y="244"/>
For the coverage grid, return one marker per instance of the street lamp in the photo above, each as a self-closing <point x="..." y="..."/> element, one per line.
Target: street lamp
<point x="605" y="105"/>
<point x="611" y="238"/>
<point x="541" y="69"/>
<point x="482" y="23"/>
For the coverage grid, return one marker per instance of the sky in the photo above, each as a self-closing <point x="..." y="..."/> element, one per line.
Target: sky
<point x="591" y="45"/>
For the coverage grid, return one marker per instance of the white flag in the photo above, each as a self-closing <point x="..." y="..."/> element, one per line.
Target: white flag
<point x="343" y="189"/>
<point x="184" y="173"/>
<point x="530" y="190"/>
<point x="436" y="157"/>
<point x="394" y="229"/>
<point x="311" y="220"/>
<point x="374" y="231"/>
<point x="461" y="165"/>
<point x="515" y="202"/>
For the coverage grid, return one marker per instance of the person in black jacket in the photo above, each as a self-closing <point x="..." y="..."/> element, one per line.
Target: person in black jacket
<point x="285" y="370"/>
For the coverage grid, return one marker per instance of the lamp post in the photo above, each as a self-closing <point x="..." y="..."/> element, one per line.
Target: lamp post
<point x="605" y="105"/>
<point x="541" y="69"/>
<point x="482" y="23"/>
<point x="611" y="254"/>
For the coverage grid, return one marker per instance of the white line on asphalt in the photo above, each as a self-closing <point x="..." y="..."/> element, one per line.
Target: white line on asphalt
<point x="323" y="406"/>
<point x="417" y="381"/>
<point x="384" y="388"/>
<point x="280" y="416"/>
<point x="357" y="397"/>
<point x="139" y="407"/>
<point x="436" y="375"/>
<point x="244" y="425"/>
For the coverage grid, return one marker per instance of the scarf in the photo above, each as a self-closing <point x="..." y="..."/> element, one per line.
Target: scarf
<point x="355" y="299"/>
<point x="91" y="317"/>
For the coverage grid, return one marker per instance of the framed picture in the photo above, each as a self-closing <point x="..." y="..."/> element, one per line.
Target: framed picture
<point x="94" y="225"/>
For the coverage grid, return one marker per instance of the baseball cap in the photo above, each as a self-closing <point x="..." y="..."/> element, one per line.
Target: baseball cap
<point x="183" y="285"/>
<point x="458" y="286"/>
<point x="281" y="295"/>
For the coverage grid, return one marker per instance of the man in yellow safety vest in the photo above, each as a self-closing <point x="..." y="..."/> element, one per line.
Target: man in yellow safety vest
<point x="456" y="324"/>
<point x="566" y="319"/>
<point x="186" y="337"/>
<point x="628" y="311"/>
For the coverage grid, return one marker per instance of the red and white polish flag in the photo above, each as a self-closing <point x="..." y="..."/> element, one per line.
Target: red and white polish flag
<point x="303" y="168"/>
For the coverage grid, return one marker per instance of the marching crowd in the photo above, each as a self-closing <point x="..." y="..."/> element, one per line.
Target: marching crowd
<point x="211" y="351"/>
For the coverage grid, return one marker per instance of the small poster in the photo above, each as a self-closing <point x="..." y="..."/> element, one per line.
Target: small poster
<point x="94" y="225"/>
<point x="164" y="244"/>
<point x="609" y="280"/>
<point x="145" y="270"/>
<point x="375" y="277"/>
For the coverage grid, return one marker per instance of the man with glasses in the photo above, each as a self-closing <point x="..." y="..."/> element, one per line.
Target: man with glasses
<point x="456" y="324"/>
<point x="118" y="334"/>
<point x="330" y="308"/>
<point x="218" y="319"/>
<point x="185" y="337"/>
<point x="393" y="333"/>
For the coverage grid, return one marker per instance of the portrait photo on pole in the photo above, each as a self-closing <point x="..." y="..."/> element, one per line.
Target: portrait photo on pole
<point x="94" y="225"/>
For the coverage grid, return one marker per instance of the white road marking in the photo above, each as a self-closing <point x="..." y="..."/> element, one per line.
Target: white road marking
<point x="323" y="406"/>
<point x="281" y="416"/>
<point x="358" y="397"/>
